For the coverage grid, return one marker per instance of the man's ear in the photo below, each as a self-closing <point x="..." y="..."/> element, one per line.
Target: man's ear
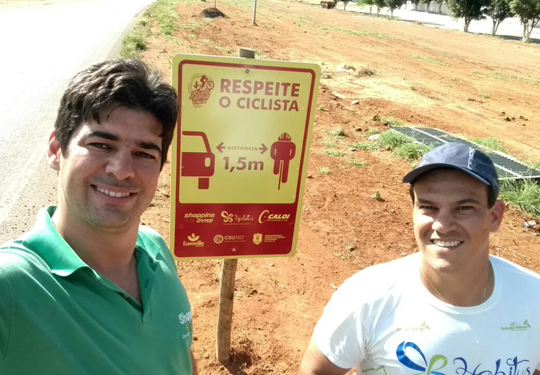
<point x="497" y="212"/>
<point x="53" y="152"/>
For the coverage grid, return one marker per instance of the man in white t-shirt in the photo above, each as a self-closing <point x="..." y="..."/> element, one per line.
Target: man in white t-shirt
<point x="451" y="308"/>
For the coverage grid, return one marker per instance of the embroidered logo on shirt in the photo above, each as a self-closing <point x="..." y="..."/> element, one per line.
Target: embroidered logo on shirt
<point x="514" y="326"/>
<point x="421" y="328"/>
<point x="185" y="319"/>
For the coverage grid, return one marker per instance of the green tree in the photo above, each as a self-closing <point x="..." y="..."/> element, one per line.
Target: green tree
<point x="498" y="10"/>
<point x="415" y="3"/>
<point x="367" y="2"/>
<point x="529" y="13"/>
<point x="428" y="3"/>
<point x="394" y="4"/>
<point x="440" y="2"/>
<point x="468" y="9"/>
<point x="379" y="4"/>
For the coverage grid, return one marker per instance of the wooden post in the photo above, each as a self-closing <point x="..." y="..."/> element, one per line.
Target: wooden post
<point x="254" y="12"/>
<point x="226" y="294"/>
<point x="226" y="299"/>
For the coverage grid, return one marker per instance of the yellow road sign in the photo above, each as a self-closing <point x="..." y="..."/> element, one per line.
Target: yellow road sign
<point x="240" y="149"/>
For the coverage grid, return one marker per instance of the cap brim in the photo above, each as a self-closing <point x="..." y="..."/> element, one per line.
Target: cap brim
<point x="415" y="173"/>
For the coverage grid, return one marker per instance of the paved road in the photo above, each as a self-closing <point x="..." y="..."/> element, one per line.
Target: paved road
<point x="43" y="44"/>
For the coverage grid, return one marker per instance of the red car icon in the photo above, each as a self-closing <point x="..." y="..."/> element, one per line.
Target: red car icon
<point x="199" y="164"/>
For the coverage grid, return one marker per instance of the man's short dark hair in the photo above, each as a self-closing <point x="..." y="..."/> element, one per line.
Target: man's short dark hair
<point x="116" y="83"/>
<point x="490" y="201"/>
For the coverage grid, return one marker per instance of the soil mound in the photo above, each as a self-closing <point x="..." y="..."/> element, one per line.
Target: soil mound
<point x="213" y="13"/>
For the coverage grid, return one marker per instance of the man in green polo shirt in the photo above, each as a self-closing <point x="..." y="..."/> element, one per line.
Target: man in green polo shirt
<point x="88" y="290"/>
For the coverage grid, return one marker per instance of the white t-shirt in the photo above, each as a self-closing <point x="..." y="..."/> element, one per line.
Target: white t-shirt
<point x="384" y="321"/>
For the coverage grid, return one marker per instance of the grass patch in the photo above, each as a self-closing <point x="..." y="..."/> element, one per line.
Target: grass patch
<point x="489" y="143"/>
<point x="403" y="147"/>
<point x="135" y="42"/>
<point x="391" y="121"/>
<point x="328" y="143"/>
<point x="334" y="153"/>
<point x="523" y="195"/>
<point x="336" y="132"/>
<point x="357" y="32"/>
<point x="411" y="151"/>
<point x="373" y="131"/>
<point x="323" y="171"/>
<point x="365" y="146"/>
<point x="377" y="196"/>
<point x="391" y="140"/>
<point x="500" y="76"/>
<point x="356" y="163"/>
<point x="428" y="60"/>
<point x="485" y="96"/>
<point x="163" y="12"/>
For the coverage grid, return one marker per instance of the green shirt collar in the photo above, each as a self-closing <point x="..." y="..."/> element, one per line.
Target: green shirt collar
<point x="45" y="240"/>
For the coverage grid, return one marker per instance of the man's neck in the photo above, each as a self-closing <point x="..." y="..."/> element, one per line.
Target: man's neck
<point x="465" y="289"/>
<point x="106" y="251"/>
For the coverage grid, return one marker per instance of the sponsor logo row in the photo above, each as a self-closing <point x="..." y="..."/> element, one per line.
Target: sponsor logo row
<point x="232" y="218"/>
<point x="193" y="240"/>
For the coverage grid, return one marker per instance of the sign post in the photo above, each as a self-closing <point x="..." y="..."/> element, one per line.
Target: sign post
<point x="239" y="162"/>
<point x="228" y="280"/>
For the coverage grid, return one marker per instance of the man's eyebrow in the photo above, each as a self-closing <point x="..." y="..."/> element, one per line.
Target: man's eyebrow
<point x="150" y="146"/>
<point x="468" y="200"/>
<point x="99" y="134"/>
<point x="112" y="137"/>
<point x="461" y="201"/>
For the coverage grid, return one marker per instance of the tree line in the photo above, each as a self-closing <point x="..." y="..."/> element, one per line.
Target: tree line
<point x="528" y="11"/>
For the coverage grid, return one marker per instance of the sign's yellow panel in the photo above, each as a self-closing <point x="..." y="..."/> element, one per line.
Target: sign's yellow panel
<point x="241" y="144"/>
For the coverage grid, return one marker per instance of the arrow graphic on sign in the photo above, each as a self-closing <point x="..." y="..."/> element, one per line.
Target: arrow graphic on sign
<point x="263" y="148"/>
<point x="220" y="148"/>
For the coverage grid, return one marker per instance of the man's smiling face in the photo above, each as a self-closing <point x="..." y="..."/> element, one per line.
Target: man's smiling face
<point x="452" y="220"/>
<point x="109" y="172"/>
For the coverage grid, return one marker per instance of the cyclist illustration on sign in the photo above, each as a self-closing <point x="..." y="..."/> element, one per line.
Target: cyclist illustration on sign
<point x="282" y="152"/>
<point x="198" y="164"/>
<point x="199" y="89"/>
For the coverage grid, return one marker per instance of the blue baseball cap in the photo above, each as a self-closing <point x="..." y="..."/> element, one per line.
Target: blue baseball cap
<point x="462" y="157"/>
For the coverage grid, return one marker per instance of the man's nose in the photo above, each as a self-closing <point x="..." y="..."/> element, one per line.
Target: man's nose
<point x="444" y="222"/>
<point x="120" y="165"/>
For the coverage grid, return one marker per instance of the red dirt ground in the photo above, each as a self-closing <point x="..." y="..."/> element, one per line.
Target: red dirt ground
<point x="469" y="85"/>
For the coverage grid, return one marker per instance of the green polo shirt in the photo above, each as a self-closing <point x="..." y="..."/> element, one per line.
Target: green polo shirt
<point x="58" y="316"/>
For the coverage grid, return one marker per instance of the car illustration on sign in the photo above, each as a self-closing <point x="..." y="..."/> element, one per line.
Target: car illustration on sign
<point x="199" y="164"/>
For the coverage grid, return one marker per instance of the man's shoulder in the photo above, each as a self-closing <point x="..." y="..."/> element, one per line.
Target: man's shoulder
<point x="150" y="233"/>
<point x="378" y="281"/>
<point x="149" y="237"/>
<point x="509" y="269"/>
<point x="17" y="259"/>
<point x="389" y="272"/>
<point x="152" y="242"/>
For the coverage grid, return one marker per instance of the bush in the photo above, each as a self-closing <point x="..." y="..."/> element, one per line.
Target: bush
<point x="523" y="195"/>
<point x="411" y="151"/>
<point x="392" y="140"/>
<point x="365" y="146"/>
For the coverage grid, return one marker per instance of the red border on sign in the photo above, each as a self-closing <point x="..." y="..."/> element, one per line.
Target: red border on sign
<point x="206" y="230"/>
